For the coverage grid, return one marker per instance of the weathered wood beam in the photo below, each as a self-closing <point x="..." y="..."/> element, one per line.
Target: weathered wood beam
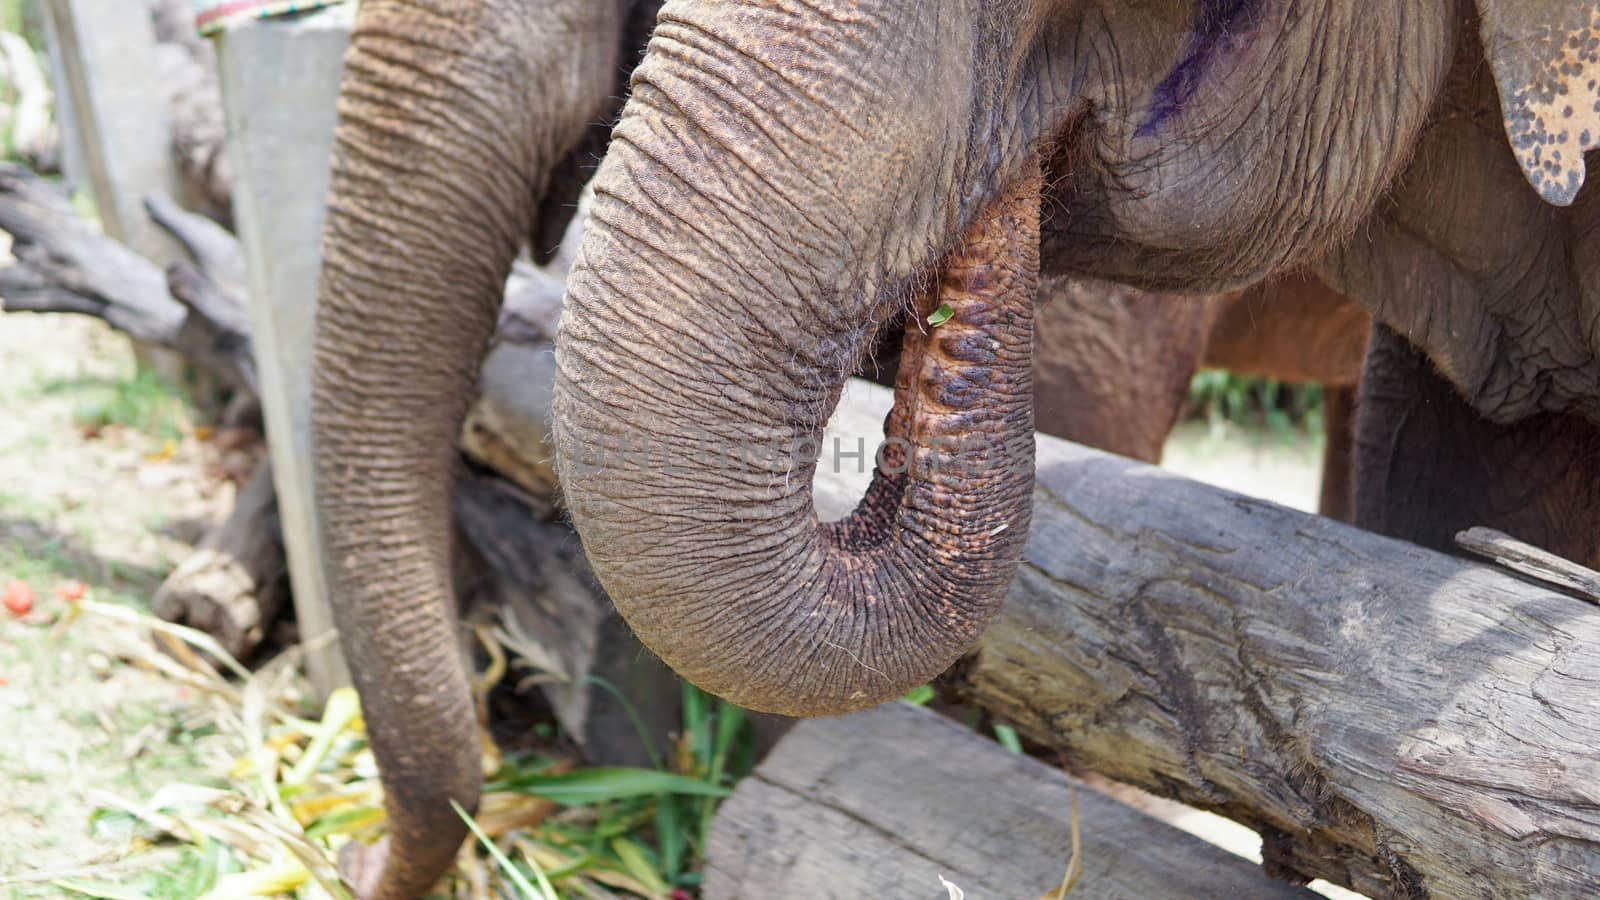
<point x="886" y="802"/>
<point x="1394" y="720"/>
<point x="560" y="623"/>
<point x="280" y="80"/>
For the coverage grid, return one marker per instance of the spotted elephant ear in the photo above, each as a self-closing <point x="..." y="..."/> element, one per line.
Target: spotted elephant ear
<point x="1545" y="55"/>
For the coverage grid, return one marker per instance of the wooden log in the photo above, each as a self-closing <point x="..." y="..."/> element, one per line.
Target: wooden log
<point x="64" y="264"/>
<point x="1394" y="720"/>
<point x="61" y="263"/>
<point x="886" y="802"/>
<point x="235" y="584"/>
<point x="214" y="249"/>
<point x="1526" y="559"/>
<point x="507" y="426"/>
<point x="194" y="106"/>
<point x="558" y="619"/>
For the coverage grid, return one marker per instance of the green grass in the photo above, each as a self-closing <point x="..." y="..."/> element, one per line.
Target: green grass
<point x="187" y="872"/>
<point x="1219" y="396"/>
<point x="144" y="402"/>
<point x="652" y="825"/>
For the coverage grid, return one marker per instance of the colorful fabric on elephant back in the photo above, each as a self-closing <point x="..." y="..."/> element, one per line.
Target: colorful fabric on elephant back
<point x="211" y="16"/>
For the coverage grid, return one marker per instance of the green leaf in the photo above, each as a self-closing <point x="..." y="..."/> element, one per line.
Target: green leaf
<point x="919" y="695"/>
<point x="729" y="720"/>
<point x="598" y="785"/>
<point x="670" y="835"/>
<point x="1007" y="736"/>
<point x="113" y="824"/>
<point x="342" y="708"/>
<point x="545" y="891"/>
<point x="213" y="857"/>
<point x="637" y="862"/>
<point x="697" y="725"/>
<point x="941" y="315"/>
<point x="344" y="821"/>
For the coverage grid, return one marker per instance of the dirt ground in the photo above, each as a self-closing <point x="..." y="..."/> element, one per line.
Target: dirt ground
<point x="115" y="506"/>
<point x="103" y="480"/>
<point x="1285" y="467"/>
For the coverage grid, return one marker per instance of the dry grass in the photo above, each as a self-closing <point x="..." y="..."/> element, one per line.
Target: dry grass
<point x="295" y="790"/>
<point x="133" y="772"/>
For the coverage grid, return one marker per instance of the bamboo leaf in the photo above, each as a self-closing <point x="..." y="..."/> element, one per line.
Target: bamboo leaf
<point x="638" y="864"/>
<point x="545" y="890"/>
<point x="598" y="785"/>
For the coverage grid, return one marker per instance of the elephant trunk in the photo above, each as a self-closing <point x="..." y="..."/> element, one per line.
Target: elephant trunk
<point x="716" y="309"/>
<point x="449" y="117"/>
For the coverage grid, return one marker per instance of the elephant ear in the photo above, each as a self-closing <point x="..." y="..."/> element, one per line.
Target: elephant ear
<point x="1545" y="55"/>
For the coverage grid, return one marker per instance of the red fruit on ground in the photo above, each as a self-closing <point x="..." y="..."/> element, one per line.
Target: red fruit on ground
<point x="19" y="598"/>
<point x="71" y="591"/>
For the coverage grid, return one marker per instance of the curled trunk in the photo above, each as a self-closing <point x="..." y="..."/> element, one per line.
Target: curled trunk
<point x="717" y="305"/>
<point x="826" y="617"/>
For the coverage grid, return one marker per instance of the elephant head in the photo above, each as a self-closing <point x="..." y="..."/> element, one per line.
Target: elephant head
<point x="786" y="175"/>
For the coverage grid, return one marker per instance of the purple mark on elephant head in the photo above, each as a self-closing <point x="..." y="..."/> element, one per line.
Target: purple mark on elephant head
<point x="1217" y="23"/>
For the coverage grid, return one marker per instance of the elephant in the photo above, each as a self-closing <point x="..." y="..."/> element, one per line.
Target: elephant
<point x="785" y="179"/>
<point x="1294" y="329"/>
<point x="1427" y="465"/>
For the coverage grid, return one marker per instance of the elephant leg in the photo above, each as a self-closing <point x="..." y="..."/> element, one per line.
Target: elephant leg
<point x="1113" y="364"/>
<point x="1337" y="498"/>
<point x="1428" y="466"/>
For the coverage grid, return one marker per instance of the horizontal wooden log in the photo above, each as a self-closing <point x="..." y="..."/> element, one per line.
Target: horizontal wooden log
<point x="62" y="263"/>
<point x="1394" y="720"/>
<point x="886" y="802"/>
